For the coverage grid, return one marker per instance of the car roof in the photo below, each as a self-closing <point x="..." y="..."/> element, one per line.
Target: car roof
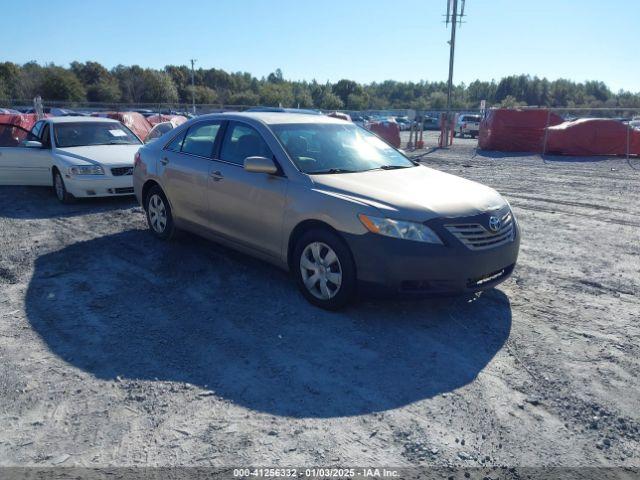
<point x="275" y="118"/>
<point x="80" y="119"/>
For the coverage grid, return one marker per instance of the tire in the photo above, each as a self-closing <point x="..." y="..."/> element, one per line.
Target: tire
<point x="158" y="213"/>
<point x="60" y="189"/>
<point x="336" y="274"/>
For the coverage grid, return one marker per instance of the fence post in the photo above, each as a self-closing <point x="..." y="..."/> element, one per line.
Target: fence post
<point x="546" y="133"/>
<point x="628" y="139"/>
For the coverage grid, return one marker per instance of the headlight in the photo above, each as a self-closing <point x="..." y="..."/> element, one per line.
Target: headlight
<point x="86" y="170"/>
<point x="400" y="229"/>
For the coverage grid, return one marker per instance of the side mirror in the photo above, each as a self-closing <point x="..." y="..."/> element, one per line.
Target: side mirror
<point x="32" y="144"/>
<point x="260" y="165"/>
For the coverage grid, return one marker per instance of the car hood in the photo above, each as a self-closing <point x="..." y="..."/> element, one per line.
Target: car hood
<point x="417" y="194"/>
<point x="100" y="154"/>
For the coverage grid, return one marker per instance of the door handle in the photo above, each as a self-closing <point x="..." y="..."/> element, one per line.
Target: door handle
<point x="164" y="161"/>
<point x="217" y="176"/>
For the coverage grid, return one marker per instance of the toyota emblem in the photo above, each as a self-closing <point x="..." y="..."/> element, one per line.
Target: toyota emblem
<point x="494" y="224"/>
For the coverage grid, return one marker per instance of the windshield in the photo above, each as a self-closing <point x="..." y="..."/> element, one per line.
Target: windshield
<point x="93" y="133"/>
<point x="332" y="148"/>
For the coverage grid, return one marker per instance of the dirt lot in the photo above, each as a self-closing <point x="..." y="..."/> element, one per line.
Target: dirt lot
<point x="117" y="349"/>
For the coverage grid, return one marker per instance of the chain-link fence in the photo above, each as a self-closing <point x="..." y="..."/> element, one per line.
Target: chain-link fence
<point x="612" y="131"/>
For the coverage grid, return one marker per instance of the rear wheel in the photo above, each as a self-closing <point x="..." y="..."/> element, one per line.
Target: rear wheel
<point x="60" y="190"/>
<point x="159" y="215"/>
<point x="324" y="269"/>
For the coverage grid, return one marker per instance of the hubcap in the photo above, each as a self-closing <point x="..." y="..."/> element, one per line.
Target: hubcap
<point x="59" y="187"/>
<point x="157" y="213"/>
<point x="321" y="270"/>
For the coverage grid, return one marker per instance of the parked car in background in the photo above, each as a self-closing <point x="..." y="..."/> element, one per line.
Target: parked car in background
<point x="158" y="130"/>
<point x="78" y="156"/>
<point x="330" y="202"/>
<point x="403" y="123"/>
<point x="284" y="110"/>
<point x="341" y="115"/>
<point x="467" y="125"/>
<point x="635" y="123"/>
<point x="431" y="123"/>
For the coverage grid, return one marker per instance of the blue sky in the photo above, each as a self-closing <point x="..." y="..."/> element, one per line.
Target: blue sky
<point x="364" y="40"/>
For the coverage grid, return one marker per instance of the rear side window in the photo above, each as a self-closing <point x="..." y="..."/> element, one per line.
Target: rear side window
<point x="200" y="139"/>
<point x="36" y="128"/>
<point x="242" y="141"/>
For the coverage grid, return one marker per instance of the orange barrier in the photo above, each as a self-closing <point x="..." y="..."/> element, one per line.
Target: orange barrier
<point x="510" y="130"/>
<point x="593" y="136"/>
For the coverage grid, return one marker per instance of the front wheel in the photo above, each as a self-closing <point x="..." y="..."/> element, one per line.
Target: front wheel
<point x="324" y="269"/>
<point x="59" y="188"/>
<point x="159" y="215"/>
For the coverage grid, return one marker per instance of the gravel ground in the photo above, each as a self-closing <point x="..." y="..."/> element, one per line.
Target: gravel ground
<point x="117" y="349"/>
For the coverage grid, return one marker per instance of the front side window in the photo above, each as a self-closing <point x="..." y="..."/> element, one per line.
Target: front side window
<point x="80" y="134"/>
<point x="14" y="136"/>
<point x="200" y="139"/>
<point x="175" y="145"/>
<point x="337" y="148"/>
<point x="242" y="141"/>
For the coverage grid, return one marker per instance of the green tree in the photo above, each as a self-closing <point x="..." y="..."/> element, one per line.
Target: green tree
<point x="159" y="87"/>
<point x="330" y="101"/>
<point x="203" y="94"/>
<point x="438" y="100"/>
<point x="344" y="88"/>
<point x="61" y="84"/>
<point x="106" y="90"/>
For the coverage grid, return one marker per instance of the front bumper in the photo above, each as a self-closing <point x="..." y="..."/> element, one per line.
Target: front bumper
<point x="98" y="185"/>
<point x="391" y="265"/>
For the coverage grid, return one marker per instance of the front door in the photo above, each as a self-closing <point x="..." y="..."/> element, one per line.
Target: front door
<point x="19" y="164"/>
<point x="246" y="207"/>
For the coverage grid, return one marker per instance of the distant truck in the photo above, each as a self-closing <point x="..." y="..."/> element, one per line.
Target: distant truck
<point x="467" y="125"/>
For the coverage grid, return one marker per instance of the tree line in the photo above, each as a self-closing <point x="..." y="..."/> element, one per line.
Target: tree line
<point x="92" y="82"/>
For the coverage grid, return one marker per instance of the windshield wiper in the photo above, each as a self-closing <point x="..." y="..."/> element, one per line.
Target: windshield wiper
<point x="393" y="167"/>
<point x="331" y="170"/>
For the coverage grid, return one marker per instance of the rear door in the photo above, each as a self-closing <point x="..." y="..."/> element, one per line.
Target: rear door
<point x="184" y="169"/>
<point x="21" y="165"/>
<point x="245" y="207"/>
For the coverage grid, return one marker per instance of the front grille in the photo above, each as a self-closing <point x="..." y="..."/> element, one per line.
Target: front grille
<point x="476" y="237"/>
<point x="121" y="171"/>
<point x="123" y="190"/>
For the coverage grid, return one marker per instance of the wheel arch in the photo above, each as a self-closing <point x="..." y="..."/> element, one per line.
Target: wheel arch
<point x="148" y="185"/>
<point x="303" y="227"/>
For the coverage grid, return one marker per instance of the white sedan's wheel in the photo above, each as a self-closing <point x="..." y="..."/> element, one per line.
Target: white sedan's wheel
<point x="321" y="270"/>
<point x="61" y="191"/>
<point x="157" y="213"/>
<point x="59" y="186"/>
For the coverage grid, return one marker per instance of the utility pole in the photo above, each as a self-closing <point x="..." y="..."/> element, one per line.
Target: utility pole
<point x="455" y="18"/>
<point x="193" y="85"/>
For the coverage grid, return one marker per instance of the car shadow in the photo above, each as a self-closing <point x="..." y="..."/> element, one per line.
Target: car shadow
<point x="41" y="202"/>
<point x="191" y="311"/>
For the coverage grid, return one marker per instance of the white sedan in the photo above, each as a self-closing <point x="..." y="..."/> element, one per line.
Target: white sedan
<point x="78" y="156"/>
